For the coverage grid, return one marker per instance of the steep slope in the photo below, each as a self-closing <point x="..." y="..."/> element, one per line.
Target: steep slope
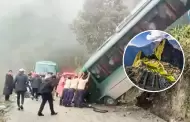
<point x="174" y="104"/>
<point x="167" y="53"/>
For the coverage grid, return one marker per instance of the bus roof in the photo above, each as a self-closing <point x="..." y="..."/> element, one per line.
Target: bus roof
<point x="46" y="62"/>
<point x="121" y="33"/>
<point x="141" y="5"/>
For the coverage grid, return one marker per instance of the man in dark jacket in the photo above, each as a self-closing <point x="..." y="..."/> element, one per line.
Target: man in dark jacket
<point x="21" y="84"/>
<point x="58" y="77"/>
<point x="46" y="89"/>
<point x="55" y="83"/>
<point x="35" y="83"/>
<point x="8" y="87"/>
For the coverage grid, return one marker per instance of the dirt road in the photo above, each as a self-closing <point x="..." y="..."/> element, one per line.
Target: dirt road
<point x="76" y="115"/>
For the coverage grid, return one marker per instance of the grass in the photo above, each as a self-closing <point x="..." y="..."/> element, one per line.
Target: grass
<point x="156" y="67"/>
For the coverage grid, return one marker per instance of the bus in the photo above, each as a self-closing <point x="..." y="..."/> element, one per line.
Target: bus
<point x="108" y="81"/>
<point x="185" y="19"/>
<point x="42" y="67"/>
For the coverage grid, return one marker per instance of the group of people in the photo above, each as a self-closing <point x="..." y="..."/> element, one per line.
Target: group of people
<point x="40" y="86"/>
<point x="74" y="90"/>
<point x="45" y="86"/>
<point x="19" y="84"/>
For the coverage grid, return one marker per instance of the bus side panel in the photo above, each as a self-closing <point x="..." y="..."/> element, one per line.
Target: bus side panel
<point x="120" y="88"/>
<point x="108" y="86"/>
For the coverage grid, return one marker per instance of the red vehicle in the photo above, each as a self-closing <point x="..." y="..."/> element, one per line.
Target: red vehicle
<point x="61" y="84"/>
<point x="66" y="74"/>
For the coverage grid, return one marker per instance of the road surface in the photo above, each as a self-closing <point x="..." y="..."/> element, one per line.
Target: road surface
<point x="75" y="115"/>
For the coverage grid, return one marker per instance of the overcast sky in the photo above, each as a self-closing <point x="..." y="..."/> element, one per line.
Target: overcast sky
<point x="31" y="30"/>
<point x="27" y="25"/>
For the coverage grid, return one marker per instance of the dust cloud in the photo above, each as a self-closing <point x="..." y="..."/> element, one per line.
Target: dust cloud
<point x="33" y="30"/>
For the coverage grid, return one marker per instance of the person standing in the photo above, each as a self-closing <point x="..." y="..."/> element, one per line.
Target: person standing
<point x="60" y="89"/>
<point x="81" y="90"/>
<point x="46" y="89"/>
<point x="30" y="78"/>
<point x="72" y="89"/>
<point x="58" y="77"/>
<point x="35" y="83"/>
<point x="21" y="84"/>
<point x="60" y="86"/>
<point x="65" y="94"/>
<point x="8" y="87"/>
<point x="54" y="78"/>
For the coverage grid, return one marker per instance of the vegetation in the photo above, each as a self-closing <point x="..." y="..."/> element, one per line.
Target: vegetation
<point x="182" y="34"/>
<point x="158" y="50"/>
<point x="137" y="61"/>
<point x="175" y="102"/>
<point x="97" y="21"/>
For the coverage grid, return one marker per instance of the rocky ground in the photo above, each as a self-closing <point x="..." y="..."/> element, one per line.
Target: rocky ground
<point x="5" y="107"/>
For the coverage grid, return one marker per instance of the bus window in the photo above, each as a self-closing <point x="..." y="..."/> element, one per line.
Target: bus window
<point x="104" y="64"/>
<point x="159" y="18"/>
<point x="123" y="42"/>
<point x="107" y="64"/>
<point x="127" y="37"/>
<point x="97" y="72"/>
<point x="179" y="6"/>
<point x="114" y="59"/>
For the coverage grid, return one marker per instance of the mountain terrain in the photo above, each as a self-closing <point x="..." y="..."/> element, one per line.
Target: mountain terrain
<point x="171" y="53"/>
<point x="156" y="68"/>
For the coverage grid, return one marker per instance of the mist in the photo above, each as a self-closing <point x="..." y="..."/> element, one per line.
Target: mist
<point x="33" y="30"/>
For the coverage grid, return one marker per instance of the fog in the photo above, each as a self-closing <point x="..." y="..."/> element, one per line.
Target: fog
<point x="32" y="30"/>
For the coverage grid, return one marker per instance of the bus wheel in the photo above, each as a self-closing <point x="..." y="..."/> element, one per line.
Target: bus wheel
<point x="108" y="101"/>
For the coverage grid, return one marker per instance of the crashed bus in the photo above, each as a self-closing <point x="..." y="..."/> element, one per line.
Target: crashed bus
<point x="108" y="81"/>
<point x="42" y="67"/>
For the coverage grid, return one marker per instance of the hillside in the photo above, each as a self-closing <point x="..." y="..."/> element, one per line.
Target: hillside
<point x="174" y="104"/>
<point x="167" y="53"/>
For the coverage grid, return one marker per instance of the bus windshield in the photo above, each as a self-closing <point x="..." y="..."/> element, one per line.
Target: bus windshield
<point x="43" y="68"/>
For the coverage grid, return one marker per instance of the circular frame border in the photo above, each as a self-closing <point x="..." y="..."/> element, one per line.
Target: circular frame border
<point x="177" y="78"/>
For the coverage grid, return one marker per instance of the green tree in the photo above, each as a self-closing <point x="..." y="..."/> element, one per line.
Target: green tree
<point x="97" y="21"/>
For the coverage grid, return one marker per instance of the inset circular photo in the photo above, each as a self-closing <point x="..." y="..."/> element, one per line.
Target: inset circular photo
<point x="153" y="60"/>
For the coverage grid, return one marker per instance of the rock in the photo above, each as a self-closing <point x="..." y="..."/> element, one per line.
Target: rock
<point x="147" y="79"/>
